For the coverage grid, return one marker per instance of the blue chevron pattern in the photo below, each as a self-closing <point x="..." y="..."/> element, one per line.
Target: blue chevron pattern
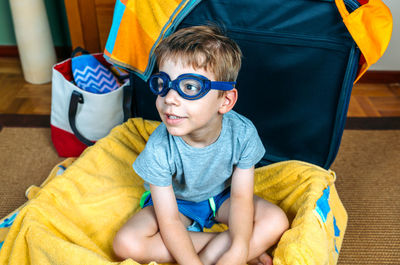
<point x="90" y="75"/>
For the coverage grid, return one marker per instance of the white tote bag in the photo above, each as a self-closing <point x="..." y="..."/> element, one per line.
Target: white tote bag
<point x="80" y="118"/>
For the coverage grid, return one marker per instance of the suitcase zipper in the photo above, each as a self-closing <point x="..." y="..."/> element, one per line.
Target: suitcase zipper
<point x="299" y="39"/>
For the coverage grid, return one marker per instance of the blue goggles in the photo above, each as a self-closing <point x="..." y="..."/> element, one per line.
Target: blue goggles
<point x="188" y="86"/>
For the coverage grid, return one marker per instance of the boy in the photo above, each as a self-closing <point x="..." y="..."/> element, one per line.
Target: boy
<point x="198" y="165"/>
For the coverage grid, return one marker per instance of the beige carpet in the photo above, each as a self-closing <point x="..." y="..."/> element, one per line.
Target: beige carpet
<point x="368" y="182"/>
<point x="26" y="158"/>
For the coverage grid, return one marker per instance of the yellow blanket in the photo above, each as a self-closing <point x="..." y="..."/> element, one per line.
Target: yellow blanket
<point x="72" y="218"/>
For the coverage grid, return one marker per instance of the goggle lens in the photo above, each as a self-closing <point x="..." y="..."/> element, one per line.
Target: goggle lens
<point x="190" y="87"/>
<point x="157" y="84"/>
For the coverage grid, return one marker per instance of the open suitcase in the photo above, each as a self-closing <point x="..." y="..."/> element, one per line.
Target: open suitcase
<point x="300" y="63"/>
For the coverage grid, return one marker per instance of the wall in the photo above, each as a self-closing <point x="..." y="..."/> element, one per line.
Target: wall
<point x="390" y="61"/>
<point x="57" y="19"/>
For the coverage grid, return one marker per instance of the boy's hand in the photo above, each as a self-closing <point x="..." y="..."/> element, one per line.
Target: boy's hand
<point x="173" y="233"/>
<point x="236" y="254"/>
<point x="241" y="216"/>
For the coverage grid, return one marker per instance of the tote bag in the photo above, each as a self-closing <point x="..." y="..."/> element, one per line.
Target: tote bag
<point x="80" y="118"/>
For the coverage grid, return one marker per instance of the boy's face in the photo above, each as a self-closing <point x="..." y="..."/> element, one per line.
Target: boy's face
<point x="198" y="122"/>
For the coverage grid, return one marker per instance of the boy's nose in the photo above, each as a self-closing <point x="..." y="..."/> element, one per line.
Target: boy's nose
<point x="172" y="97"/>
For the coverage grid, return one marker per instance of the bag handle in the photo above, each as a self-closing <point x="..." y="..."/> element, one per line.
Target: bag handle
<point x="76" y="98"/>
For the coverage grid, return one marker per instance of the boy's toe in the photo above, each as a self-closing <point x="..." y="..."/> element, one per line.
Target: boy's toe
<point x="265" y="259"/>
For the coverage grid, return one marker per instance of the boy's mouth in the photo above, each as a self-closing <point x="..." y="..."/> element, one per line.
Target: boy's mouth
<point x="173" y="117"/>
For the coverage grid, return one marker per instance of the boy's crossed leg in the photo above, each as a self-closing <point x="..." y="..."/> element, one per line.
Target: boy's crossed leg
<point x="270" y="222"/>
<point x="140" y="239"/>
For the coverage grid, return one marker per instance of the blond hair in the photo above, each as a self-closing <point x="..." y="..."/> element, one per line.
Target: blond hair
<point x="202" y="47"/>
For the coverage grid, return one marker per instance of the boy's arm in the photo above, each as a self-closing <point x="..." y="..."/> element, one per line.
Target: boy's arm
<point x="241" y="215"/>
<point x="173" y="232"/>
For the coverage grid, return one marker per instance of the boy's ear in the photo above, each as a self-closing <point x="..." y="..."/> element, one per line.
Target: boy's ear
<point x="229" y="100"/>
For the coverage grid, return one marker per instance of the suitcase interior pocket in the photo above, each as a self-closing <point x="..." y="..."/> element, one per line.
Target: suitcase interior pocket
<point x="296" y="90"/>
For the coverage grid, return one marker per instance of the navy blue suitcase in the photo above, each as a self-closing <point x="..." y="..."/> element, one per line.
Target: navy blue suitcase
<point x="298" y="70"/>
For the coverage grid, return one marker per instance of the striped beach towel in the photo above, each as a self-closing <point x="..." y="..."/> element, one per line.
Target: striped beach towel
<point x="138" y="26"/>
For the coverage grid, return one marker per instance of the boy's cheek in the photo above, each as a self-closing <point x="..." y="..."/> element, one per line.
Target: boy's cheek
<point x="158" y="104"/>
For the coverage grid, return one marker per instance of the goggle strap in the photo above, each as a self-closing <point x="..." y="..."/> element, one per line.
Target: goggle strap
<point x="225" y="86"/>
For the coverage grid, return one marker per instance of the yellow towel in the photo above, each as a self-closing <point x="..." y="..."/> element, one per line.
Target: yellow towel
<point x="73" y="217"/>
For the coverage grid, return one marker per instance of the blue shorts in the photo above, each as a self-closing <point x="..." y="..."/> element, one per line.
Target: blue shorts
<point x="201" y="213"/>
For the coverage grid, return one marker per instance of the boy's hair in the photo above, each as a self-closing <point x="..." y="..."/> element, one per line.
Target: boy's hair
<point x="202" y="47"/>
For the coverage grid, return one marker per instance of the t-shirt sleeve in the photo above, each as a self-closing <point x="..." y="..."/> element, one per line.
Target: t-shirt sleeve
<point x="252" y="148"/>
<point x="152" y="164"/>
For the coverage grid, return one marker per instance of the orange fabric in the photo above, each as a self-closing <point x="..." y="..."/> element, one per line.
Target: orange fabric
<point x="131" y="50"/>
<point x="371" y="27"/>
<point x="143" y="24"/>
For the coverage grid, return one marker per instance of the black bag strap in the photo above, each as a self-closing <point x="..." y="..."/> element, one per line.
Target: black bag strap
<point x="76" y="98"/>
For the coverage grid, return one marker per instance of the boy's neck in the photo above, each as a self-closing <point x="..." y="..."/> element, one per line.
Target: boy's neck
<point x="205" y="136"/>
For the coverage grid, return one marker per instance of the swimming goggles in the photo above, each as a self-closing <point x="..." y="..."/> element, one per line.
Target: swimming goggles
<point x="188" y="86"/>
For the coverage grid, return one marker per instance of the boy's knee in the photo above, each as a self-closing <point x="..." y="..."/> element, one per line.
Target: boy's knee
<point x="274" y="221"/>
<point x="281" y="221"/>
<point x="126" y="245"/>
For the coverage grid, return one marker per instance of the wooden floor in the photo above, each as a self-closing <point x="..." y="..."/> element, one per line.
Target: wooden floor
<point x="375" y="100"/>
<point x="20" y="97"/>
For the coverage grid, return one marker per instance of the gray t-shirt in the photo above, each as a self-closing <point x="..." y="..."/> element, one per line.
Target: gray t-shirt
<point x="197" y="174"/>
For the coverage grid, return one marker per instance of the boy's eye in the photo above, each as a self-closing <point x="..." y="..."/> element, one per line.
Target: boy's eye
<point x="190" y="87"/>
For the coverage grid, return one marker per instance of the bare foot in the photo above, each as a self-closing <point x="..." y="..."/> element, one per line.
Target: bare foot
<point x="263" y="259"/>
